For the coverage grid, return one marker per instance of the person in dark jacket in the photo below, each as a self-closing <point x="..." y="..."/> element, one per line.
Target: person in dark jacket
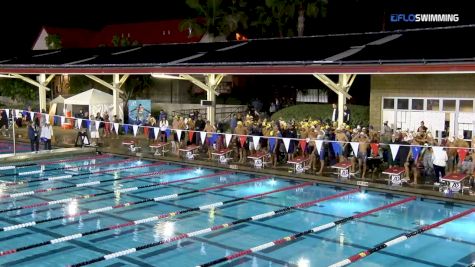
<point x="33" y="135"/>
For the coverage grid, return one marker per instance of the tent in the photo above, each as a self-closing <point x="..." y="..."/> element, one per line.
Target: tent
<point x="56" y="106"/>
<point x="95" y="101"/>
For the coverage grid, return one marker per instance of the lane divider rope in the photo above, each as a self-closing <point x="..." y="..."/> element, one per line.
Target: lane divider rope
<point x="148" y="220"/>
<point x="123" y="190"/>
<point x="399" y="239"/>
<point x="214" y="228"/>
<point x="300" y="234"/>
<point x="127" y="204"/>
<point x="33" y="192"/>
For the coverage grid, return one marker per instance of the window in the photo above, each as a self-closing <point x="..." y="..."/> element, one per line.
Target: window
<point x="403" y="104"/>
<point x="466" y="106"/>
<point x="388" y="103"/>
<point x="448" y="105"/>
<point x="417" y="104"/>
<point x="433" y="105"/>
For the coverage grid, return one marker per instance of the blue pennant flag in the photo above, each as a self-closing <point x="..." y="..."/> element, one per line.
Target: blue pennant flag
<point x="416" y="150"/>
<point x="126" y="128"/>
<point x="336" y="148"/>
<point x="168" y="132"/>
<point x="88" y="123"/>
<point x="56" y="120"/>
<point x="271" y="144"/>
<point x="214" y="138"/>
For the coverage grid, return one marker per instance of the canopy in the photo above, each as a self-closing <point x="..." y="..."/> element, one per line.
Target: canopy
<point x="97" y="101"/>
<point x="58" y="100"/>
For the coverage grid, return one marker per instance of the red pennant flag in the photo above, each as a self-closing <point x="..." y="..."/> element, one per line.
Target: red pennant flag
<point x="303" y="144"/>
<point x="462" y="153"/>
<point x="242" y="139"/>
<point x="374" y="149"/>
<point x="190" y="135"/>
<point x="145" y="131"/>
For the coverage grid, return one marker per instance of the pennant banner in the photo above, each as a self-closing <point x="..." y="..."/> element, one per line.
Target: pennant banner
<point x="146" y="130"/>
<point x="242" y="139"/>
<point x="190" y="135"/>
<point x="319" y="144"/>
<point x="134" y="129"/>
<point x="255" y="140"/>
<point x="32" y="116"/>
<point x="116" y="128"/>
<point x="178" y="134"/>
<point x="438" y="151"/>
<point x="155" y="132"/>
<point x="416" y="150"/>
<point x="168" y="132"/>
<point x="286" y="143"/>
<point x="62" y="120"/>
<point x="214" y="138"/>
<point x="336" y="148"/>
<point x="375" y="149"/>
<point x="79" y="123"/>
<point x="271" y="144"/>
<point x="394" y="149"/>
<point x="88" y="123"/>
<point x="354" y="147"/>
<point x="462" y="153"/>
<point x="228" y="138"/>
<point x="8" y="113"/>
<point x="203" y="137"/>
<point x="97" y="123"/>
<point x="46" y="117"/>
<point x="303" y="144"/>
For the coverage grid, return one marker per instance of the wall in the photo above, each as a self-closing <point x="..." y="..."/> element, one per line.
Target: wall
<point x="417" y="85"/>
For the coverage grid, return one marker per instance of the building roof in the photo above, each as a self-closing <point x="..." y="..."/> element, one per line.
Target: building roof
<point x="439" y="50"/>
<point x="153" y="32"/>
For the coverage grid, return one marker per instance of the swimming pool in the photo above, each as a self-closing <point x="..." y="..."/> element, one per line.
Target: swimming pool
<point x="122" y="203"/>
<point x="6" y="147"/>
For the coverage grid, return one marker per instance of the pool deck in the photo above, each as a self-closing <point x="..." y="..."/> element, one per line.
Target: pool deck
<point x="114" y="145"/>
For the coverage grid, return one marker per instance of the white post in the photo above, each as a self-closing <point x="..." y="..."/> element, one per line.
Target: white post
<point x="42" y="91"/>
<point x="115" y="95"/>
<point x="211" y="96"/>
<point x="14" y="137"/>
<point x="341" y="103"/>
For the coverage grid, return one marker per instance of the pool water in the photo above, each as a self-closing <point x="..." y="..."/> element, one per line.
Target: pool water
<point x="452" y="244"/>
<point x="6" y="147"/>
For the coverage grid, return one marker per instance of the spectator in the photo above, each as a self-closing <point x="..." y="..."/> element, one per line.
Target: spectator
<point x="3" y="122"/>
<point x="233" y="123"/>
<point x="47" y="134"/>
<point x="439" y="160"/>
<point x="334" y="113"/>
<point x="33" y="132"/>
<point x="422" y="128"/>
<point x="346" y="114"/>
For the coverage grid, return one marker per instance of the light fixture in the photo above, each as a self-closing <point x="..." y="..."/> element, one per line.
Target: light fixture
<point x="166" y="76"/>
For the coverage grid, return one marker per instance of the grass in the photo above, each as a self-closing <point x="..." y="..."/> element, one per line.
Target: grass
<point x="359" y="114"/>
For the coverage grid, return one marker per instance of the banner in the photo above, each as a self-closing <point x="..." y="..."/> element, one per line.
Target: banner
<point x="286" y="143"/>
<point x="336" y="148"/>
<point x="178" y="134"/>
<point x="271" y="144"/>
<point x="116" y="128"/>
<point x="134" y="129"/>
<point x="228" y="138"/>
<point x="242" y="139"/>
<point x="139" y="111"/>
<point x="203" y="137"/>
<point x="394" y="149"/>
<point x="79" y="123"/>
<point x="255" y="140"/>
<point x="62" y="120"/>
<point x="146" y="130"/>
<point x="462" y="153"/>
<point x="416" y="150"/>
<point x="374" y="149"/>
<point x="168" y="132"/>
<point x="303" y="144"/>
<point x="126" y="128"/>
<point x="32" y="116"/>
<point x="354" y="147"/>
<point x="155" y="132"/>
<point x="318" y="144"/>
<point x="98" y="123"/>
<point x="190" y="135"/>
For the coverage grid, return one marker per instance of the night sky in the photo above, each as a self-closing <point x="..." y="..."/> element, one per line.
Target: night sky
<point x="22" y="21"/>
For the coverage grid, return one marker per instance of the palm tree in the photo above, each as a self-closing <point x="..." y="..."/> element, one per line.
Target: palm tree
<point x="216" y="17"/>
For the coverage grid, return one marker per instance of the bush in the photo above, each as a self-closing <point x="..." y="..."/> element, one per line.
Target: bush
<point x="359" y="114"/>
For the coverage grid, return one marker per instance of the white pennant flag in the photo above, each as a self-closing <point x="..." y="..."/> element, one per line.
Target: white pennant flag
<point x="178" y="133"/>
<point x="203" y="137"/>
<point x="255" y="140"/>
<point x="32" y="115"/>
<point x="135" y="128"/>
<point x="354" y="147"/>
<point x="62" y="120"/>
<point x="394" y="149"/>
<point x="98" y="123"/>
<point x="437" y="151"/>
<point x="79" y="123"/>
<point x="155" y="131"/>
<point x="319" y="144"/>
<point x="228" y="138"/>
<point x="47" y="117"/>
<point x="286" y="143"/>
<point x="116" y="128"/>
<point x="8" y="113"/>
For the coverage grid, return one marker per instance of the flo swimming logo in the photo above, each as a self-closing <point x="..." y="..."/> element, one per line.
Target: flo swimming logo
<point x="424" y="17"/>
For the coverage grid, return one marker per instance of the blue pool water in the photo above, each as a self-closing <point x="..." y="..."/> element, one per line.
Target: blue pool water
<point x="452" y="244"/>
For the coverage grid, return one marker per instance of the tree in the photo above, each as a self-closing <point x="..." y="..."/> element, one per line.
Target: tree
<point x="216" y="17"/>
<point x="53" y="41"/>
<point x="17" y="89"/>
<point x="285" y="18"/>
<point x="123" y="41"/>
